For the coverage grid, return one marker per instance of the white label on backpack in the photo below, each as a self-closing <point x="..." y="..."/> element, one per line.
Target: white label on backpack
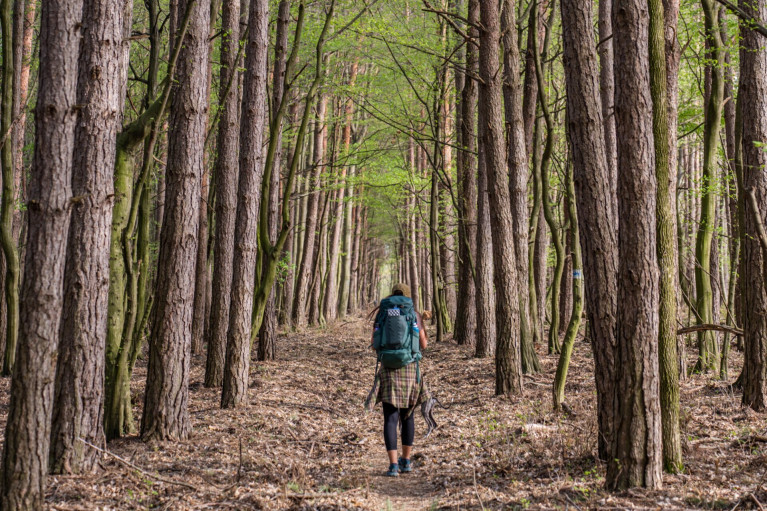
<point x="393" y="312"/>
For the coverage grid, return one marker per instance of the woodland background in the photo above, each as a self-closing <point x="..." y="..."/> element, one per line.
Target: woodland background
<point x="196" y="192"/>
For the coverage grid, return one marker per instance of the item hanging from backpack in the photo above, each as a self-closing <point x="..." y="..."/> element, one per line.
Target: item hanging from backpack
<point x="396" y="334"/>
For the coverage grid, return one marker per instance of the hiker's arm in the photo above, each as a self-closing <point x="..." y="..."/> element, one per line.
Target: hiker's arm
<point x="423" y="338"/>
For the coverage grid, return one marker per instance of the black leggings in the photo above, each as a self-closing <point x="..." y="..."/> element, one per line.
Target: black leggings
<point x="393" y="415"/>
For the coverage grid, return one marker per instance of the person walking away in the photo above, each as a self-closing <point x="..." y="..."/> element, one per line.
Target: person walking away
<point x="399" y="335"/>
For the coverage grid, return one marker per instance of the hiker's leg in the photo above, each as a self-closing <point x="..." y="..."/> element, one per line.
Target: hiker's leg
<point x="391" y="418"/>
<point x="408" y="433"/>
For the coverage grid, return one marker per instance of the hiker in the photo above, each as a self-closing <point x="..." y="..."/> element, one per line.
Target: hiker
<point x="399" y="335"/>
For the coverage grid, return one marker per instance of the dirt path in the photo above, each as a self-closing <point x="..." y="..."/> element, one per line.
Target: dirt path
<point x="305" y="442"/>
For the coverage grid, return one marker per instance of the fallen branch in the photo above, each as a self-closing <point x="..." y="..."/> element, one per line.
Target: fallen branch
<point x="710" y="326"/>
<point x="134" y="467"/>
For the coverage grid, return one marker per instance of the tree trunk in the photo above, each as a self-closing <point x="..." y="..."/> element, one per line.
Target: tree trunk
<point x="708" y="349"/>
<point x="268" y="334"/>
<point x="28" y="427"/>
<point x="577" y="307"/>
<point x="226" y="196"/>
<point x="548" y="210"/>
<point x="637" y="445"/>
<point x="466" y="314"/>
<point x="598" y="237"/>
<point x="508" y="366"/>
<point x="485" y="342"/>
<point x="254" y="109"/>
<point x="16" y="45"/>
<point x="303" y="277"/>
<point x="607" y="95"/>
<point x="78" y="409"/>
<point x="667" y="244"/>
<point x="167" y="388"/>
<point x="753" y="94"/>
<point x="518" y="177"/>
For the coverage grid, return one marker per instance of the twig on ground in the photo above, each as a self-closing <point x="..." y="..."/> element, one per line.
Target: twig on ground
<point x="135" y="467"/>
<point x="756" y="501"/>
<point x="476" y="489"/>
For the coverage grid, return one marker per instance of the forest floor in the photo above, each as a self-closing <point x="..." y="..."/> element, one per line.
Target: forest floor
<point x="305" y="443"/>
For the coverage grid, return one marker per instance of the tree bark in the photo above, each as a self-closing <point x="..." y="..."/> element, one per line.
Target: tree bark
<point x="78" y="409"/>
<point x="667" y="244"/>
<point x="167" y="388"/>
<point x="708" y="349"/>
<point x="485" y="342"/>
<point x="466" y="316"/>
<point x="598" y="222"/>
<point x="226" y="196"/>
<point x="518" y="177"/>
<point x="637" y="444"/>
<point x="508" y="366"/>
<point x="27" y="434"/>
<point x="753" y="95"/>
<point x="268" y="334"/>
<point x="251" y="160"/>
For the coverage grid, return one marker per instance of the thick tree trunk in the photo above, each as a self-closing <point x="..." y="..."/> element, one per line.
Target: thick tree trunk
<point x="254" y="109"/>
<point x="78" y="409"/>
<point x="598" y="235"/>
<point x="636" y="457"/>
<point x="226" y="196"/>
<point x="27" y="433"/>
<point x="167" y="389"/>
<point x="508" y="366"/>
<point x="485" y="342"/>
<point x="753" y="95"/>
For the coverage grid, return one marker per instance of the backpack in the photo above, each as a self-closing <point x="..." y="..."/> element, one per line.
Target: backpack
<point x="395" y="335"/>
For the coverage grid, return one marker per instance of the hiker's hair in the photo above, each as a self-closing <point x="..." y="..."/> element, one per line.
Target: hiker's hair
<point x="398" y="293"/>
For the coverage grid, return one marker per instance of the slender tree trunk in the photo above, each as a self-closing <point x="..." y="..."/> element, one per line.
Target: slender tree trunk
<point x="753" y="95"/>
<point x="466" y="317"/>
<point x="708" y="349"/>
<point x="167" y="389"/>
<point x="303" y="277"/>
<point x="637" y="445"/>
<point x="577" y="308"/>
<point x="226" y="196"/>
<point x="667" y="244"/>
<point x="518" y="177"/>
<point x="254" y="108"/>
<point x="268" y="334"/>
<point x="346" y="256"/>
<point x="16" y="43"/>
<point x="607" y="95"/>
<point x="27" y="433"/>
<point x="78" y="409"/>
<point x="548" y="210"/>
<point x="672" y="55"/>
<point x="592" y="193"/>
<point x="508" y="366"/>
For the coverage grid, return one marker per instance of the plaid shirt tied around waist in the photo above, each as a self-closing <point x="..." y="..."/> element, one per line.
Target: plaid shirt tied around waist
<point x="399" y="387"/>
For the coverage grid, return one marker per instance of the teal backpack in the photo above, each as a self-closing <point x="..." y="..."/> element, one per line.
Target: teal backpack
<point x="396" y="335"/>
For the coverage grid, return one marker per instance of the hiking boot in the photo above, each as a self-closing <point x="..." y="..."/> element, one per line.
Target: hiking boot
<point x="393" y="470"/>
<point x="405" y="465"/>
